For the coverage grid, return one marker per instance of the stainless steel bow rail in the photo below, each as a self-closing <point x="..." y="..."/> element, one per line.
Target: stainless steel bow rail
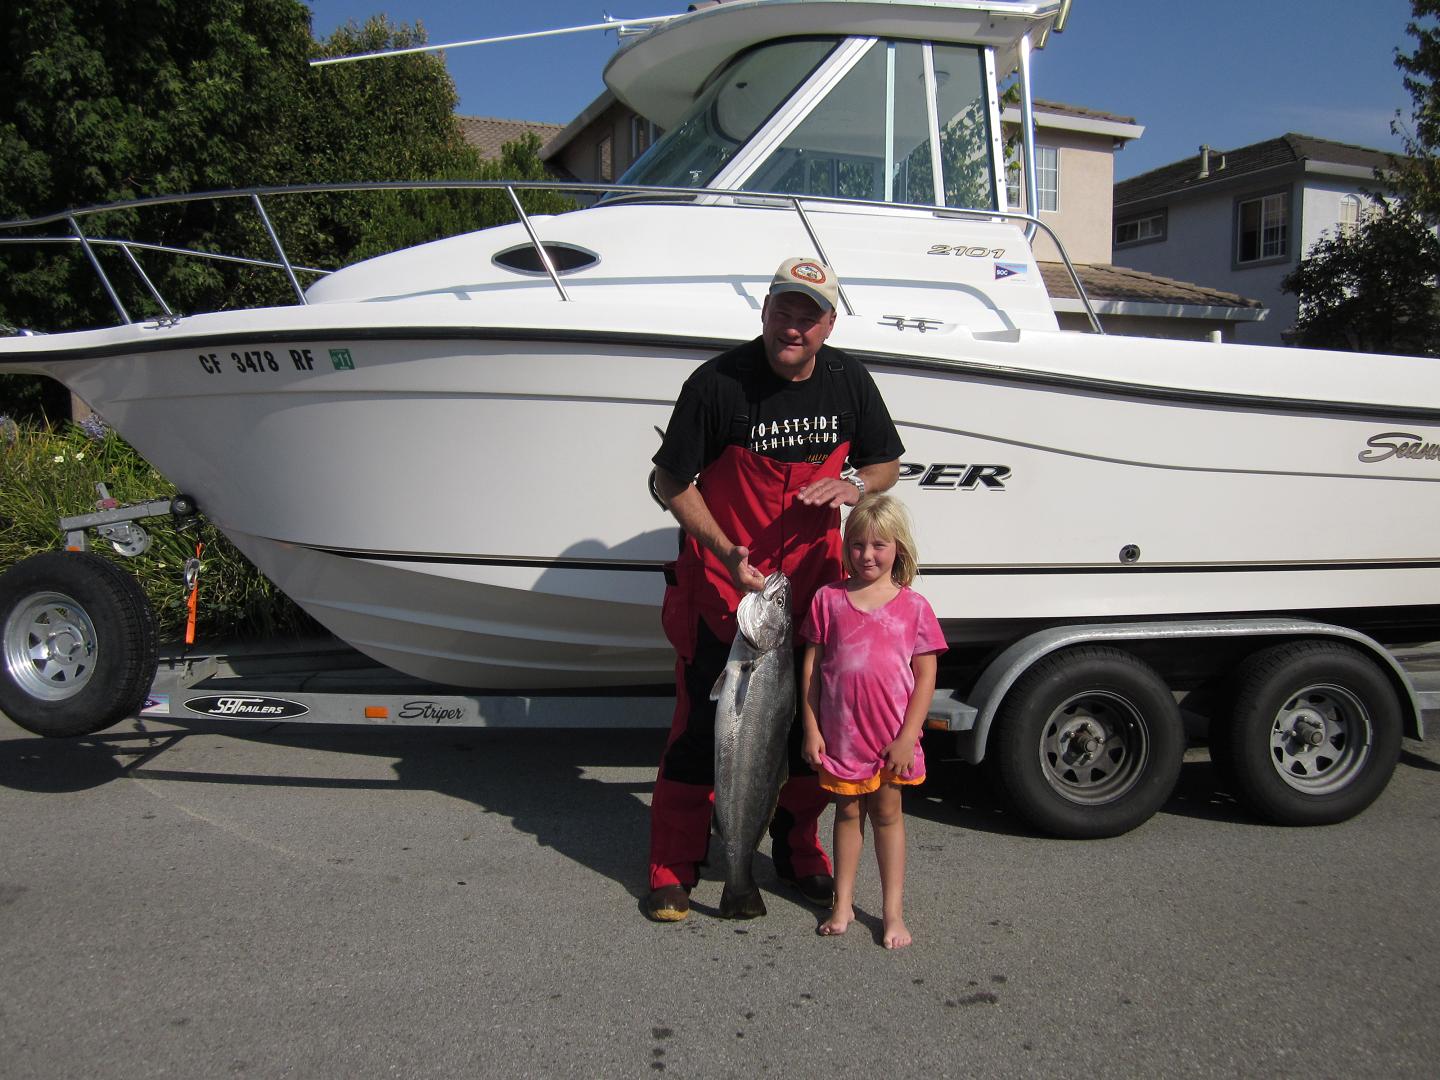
<point x="92" y="245"/>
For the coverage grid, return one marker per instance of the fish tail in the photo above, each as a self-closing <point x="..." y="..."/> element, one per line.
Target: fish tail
<point x="741" y="903"/>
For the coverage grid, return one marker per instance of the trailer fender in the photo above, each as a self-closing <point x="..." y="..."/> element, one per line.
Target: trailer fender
<point x="1000" y="675"/>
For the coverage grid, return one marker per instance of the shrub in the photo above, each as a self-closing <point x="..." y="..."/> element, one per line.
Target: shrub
<point x="48" y="473"/>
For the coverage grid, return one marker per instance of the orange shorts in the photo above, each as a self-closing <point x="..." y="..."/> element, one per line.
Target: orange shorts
<point x="830" y="782"/>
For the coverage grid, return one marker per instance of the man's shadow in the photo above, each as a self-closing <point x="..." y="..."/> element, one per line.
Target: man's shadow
<point x="546" y="784"/>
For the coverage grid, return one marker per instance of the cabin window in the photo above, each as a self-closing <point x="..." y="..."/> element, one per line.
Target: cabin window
<point x="963" y="109"/>
<point x="839" y="148"/>
<point x="565" y="258"/>
<point x="1262" y="228"/>
<point x="727" y="113"/>
<point x="873" y="135"/>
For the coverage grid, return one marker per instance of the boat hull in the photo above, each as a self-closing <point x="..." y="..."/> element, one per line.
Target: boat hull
<point x="470" y="504"/>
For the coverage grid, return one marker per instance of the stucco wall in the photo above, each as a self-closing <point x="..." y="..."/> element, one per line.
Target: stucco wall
<point x="1087" y="178"/>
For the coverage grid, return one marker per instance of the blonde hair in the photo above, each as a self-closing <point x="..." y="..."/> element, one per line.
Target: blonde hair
<point x="884" y="518"/>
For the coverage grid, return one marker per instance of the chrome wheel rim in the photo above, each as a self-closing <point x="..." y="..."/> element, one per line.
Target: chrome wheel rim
<point x="50" y="646"/>
<point x="1094" y="747"/>
<point x="1320" y="739"/>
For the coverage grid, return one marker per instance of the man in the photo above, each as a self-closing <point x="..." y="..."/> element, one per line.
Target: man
<point x="751" y="466"/>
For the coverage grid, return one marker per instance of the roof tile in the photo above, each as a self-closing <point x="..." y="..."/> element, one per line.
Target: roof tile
<point x="489" y="134"/>
<point x="1120" y="283"/>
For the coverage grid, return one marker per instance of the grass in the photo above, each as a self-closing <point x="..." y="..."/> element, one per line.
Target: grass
<point x="48" y="473"/>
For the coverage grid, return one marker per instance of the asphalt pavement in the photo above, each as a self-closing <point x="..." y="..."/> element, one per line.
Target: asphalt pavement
<point x="237" y="900"/>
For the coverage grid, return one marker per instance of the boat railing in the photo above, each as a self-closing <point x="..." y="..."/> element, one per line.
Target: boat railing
<point x="798" y="203"/>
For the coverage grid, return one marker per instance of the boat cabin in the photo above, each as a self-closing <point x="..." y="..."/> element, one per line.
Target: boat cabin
<point x="869" y="133"/>
<point x="855" y="100"/>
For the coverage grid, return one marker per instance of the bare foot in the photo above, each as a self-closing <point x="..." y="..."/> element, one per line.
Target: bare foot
<point x="838" y="922"/>
<point x="897" y="936"/>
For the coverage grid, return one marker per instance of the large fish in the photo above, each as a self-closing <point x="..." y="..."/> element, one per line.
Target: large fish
<point x="755" y="706"/>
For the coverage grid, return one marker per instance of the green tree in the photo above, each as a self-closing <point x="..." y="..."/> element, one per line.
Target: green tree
<point x="1371" y="289"/>
<point x="1416" y="177"/>
<point x="108" y="100"/>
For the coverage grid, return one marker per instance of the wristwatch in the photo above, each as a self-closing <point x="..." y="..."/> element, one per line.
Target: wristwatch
<point x="857" y="480"/>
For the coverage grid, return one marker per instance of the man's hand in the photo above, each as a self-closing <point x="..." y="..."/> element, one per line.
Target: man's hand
<point x="831" y="492"/>
<point x="745" y="576"/>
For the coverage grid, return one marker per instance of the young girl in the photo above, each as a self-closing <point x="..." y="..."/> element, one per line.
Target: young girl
<point x="866" y="684"/>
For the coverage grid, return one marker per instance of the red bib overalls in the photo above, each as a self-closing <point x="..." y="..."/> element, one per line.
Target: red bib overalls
<point x="753" y="500"/>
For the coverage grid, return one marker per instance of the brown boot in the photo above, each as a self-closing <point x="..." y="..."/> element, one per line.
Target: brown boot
<point x="669" y="903"/>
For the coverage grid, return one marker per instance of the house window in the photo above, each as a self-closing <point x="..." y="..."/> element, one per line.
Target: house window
<point x="640" y="137"/>
<point x="1348" y="219"/>
<point x="604" y="160"/>
<point x="1262" y="228"/>
<point x="1137" y="230"/>
<point x="1047" y="160"/>
<point x="1047" y="174"/>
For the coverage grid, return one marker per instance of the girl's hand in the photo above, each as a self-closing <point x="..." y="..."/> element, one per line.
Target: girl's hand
<point x="899" y="756"/>
<point x="813" y="749"/>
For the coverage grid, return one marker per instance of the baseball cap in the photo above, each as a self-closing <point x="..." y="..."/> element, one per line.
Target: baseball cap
<point x="808" y="276"/>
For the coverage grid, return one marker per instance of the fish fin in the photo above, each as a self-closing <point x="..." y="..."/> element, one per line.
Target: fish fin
<point x="742" y="687"/>
<point x="719" y="684"/>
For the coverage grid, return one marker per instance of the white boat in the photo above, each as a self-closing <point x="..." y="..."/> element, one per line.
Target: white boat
<point x="442" y="454"/>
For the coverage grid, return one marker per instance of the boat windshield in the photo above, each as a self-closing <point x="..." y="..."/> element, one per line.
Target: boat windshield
<point x="880" y="110"/>
<point x="727" y="113"/>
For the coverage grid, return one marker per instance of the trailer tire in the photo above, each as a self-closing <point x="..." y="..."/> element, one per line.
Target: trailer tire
<point x="1087" y="743"/>
<point x="1314" y="736"/>
<point x="79" y="644"/>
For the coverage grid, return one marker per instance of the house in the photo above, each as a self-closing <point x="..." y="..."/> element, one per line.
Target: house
<point x="1075" y="149"/>
<point x="1240" y="220"/>
<point x="601" y="143"/>
<point x="1075" y="156"/>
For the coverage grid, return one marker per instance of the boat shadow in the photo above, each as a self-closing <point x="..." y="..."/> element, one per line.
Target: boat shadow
<point x="582" y="793"/>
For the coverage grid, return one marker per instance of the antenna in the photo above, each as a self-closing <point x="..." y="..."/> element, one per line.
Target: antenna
<point x="621" y="26"/>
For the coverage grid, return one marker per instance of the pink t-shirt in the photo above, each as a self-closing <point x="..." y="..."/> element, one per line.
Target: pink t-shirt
<point x="865" y="677"/>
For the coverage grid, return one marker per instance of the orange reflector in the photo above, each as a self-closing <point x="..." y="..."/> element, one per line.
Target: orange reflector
<point x="74" y="547"/>
<point x="376" y="712"/>
<point x="937" y="723"/>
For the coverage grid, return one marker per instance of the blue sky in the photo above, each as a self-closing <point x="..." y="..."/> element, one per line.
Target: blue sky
<point x="1222" y="72"/>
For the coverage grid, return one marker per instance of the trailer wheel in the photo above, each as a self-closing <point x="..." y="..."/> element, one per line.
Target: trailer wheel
<point x="1088" y="743"/>
<point x="80" y="647"/>
<point x="1314" y="736"/>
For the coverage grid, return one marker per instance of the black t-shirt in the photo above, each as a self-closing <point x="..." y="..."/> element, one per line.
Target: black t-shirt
<point x="736" y="399"/>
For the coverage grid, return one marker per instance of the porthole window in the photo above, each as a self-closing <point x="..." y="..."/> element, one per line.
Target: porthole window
<point x="566" y="259"/>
